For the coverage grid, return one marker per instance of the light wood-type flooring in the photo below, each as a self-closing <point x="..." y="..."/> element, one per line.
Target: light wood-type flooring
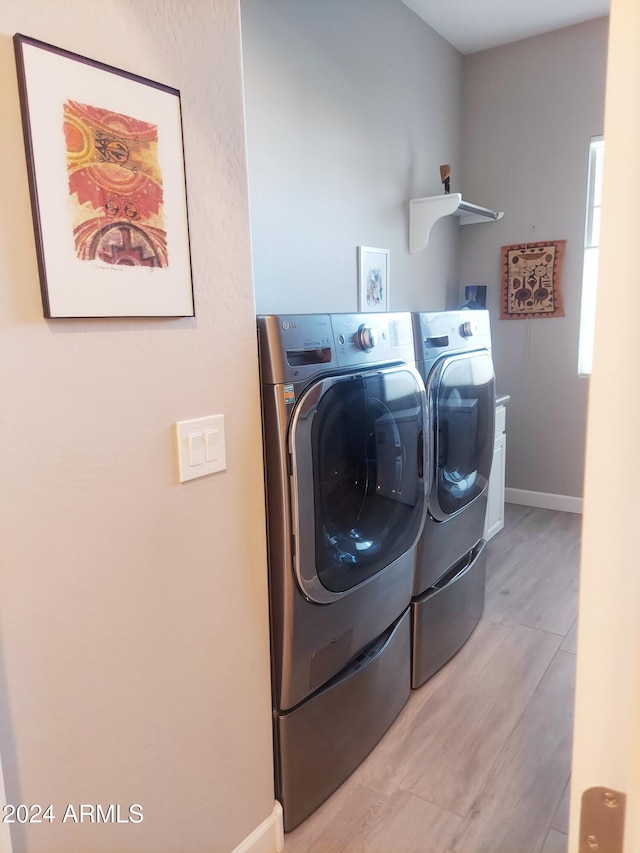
<point x="478" y="761"/>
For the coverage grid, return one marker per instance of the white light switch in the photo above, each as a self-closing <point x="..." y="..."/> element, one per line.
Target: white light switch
<point x="196" y="448"/>
<point x="212" y="444"/>
<point x="201" y="447"/>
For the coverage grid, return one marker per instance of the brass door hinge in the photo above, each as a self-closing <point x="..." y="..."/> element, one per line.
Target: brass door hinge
<point x="602" y="821"/>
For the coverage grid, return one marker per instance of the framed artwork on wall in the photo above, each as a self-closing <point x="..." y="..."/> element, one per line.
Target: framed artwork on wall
<point x="531" y="280"/>
<point x="373" y="279"/>
<point x="106" y="172"/>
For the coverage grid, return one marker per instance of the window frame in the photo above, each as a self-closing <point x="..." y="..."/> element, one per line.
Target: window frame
<point x="591" y="255"/>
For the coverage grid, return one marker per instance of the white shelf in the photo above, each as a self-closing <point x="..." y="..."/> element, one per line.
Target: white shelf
<point x="425" y="212"/>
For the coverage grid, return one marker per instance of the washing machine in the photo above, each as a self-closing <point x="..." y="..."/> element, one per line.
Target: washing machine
<point x="453" y="355"/>
<point x="344" y="438"/>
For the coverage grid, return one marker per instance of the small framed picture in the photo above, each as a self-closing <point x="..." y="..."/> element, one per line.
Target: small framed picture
<point x="373" y="279"/>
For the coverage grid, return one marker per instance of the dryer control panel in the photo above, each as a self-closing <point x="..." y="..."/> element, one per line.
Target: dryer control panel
<point x="447" y="331"/>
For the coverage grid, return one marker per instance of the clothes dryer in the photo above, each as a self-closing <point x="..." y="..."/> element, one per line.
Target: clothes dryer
<point x="453" y="354"/>
<point x="344" y="418"/>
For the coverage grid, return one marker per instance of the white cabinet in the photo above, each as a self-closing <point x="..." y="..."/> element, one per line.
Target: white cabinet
<point x="494" y="520"/>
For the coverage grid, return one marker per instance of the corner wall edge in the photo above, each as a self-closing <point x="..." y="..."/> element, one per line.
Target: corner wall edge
<point x="268" y="837"/>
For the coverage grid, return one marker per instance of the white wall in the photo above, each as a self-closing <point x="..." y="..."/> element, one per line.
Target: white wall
<point x="607" y="734"/>
<point x="351" y="109"/>
<point x="529" y="111"/>
<point x="135" y="660"/>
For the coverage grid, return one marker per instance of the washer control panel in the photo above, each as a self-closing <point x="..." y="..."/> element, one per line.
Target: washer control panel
<point x="363" y="339"/>
<point x="366" y="337"/>
<point x="297" y="347"/>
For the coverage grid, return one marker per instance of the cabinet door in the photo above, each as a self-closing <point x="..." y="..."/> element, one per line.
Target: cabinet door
<point x="494" y="521"/>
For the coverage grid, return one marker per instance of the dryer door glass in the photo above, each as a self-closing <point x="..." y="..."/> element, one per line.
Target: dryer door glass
<point x="463" y="405"/>
<point x="365" y="503"/>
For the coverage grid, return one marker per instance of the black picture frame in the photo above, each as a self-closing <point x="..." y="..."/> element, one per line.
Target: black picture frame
<point x="105" y="163"/>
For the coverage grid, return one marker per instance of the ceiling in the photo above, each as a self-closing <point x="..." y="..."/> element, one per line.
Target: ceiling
<point x="471" y="26"/>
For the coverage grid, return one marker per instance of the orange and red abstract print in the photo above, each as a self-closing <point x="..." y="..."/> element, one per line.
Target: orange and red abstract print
<point x="115" y="187"/>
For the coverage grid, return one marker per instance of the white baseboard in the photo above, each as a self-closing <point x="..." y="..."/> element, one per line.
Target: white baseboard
<point x="266" y="838"/>
<point x="544" y="500"/>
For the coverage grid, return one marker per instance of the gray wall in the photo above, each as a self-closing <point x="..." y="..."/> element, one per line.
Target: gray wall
<point x="351" y="107"/>
<point x="134" y="660"/>
<point x="529" y="110"/>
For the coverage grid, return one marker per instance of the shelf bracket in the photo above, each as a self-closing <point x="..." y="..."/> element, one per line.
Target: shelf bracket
<point x="425" y="212"/>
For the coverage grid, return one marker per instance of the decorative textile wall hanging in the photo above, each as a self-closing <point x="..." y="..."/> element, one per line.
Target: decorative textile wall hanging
<point x="531" y="280"/>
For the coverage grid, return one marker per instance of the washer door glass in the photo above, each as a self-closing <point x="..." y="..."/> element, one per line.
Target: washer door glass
<point x="357" y="457"/>
<point x="462" y="392"/>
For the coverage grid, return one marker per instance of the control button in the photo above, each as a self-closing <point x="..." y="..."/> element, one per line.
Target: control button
<point x="341" y="339"/>
<point x="467" y="329"/>
<point x="366" y="337"/>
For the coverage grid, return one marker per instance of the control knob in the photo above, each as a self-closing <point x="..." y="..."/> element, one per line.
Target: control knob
<point x="366" y="337"/>
<point x="467" y="329"/>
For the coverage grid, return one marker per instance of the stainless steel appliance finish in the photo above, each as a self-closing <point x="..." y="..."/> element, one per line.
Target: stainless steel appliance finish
<point x="343" y="418"/>
<point x="453" y="354"/>
<point x="325" y="740"/>
<point x="445" y="616"/>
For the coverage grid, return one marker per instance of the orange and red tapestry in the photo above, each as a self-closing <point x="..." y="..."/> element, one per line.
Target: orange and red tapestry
<point x="115" y="187"/>
<point x="531" y="280"/>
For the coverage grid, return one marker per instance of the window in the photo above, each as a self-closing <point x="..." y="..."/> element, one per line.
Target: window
<point x="591" y="250"/>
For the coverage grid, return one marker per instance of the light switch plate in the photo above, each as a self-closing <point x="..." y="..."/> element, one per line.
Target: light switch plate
<point x="206" y="436"/>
